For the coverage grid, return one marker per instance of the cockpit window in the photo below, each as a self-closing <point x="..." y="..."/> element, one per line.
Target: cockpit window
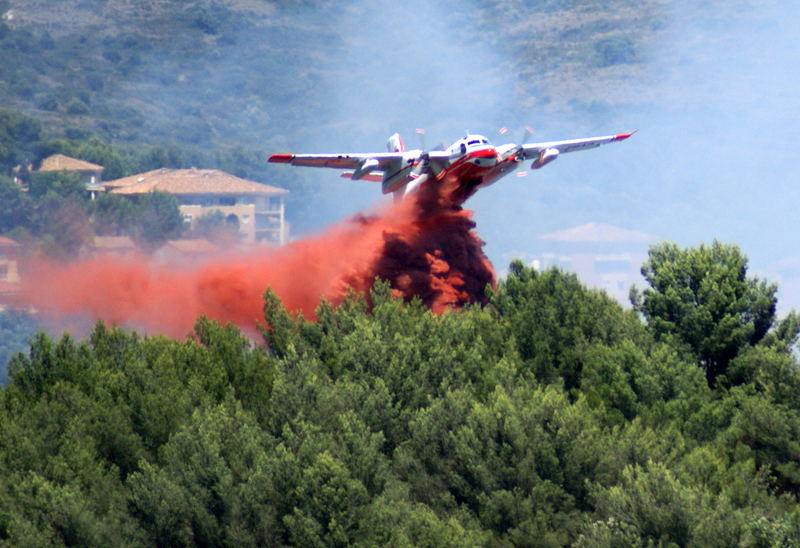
<point x="475" y="142"/>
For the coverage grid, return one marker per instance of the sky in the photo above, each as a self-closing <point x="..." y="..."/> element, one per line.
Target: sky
<point x="716" y="107"/>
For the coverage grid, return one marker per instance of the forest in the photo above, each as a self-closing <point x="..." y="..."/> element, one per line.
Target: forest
<point x="551" y="416"/>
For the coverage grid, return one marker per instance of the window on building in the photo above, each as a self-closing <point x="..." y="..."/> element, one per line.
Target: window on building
<point x="227" y="201"/>
<point x="232" y="221"/>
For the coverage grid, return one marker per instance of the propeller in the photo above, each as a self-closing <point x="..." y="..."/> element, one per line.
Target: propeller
<point x="421" y="133"/>
<point x="527" y="132"/>
<point x="517" y="150"/>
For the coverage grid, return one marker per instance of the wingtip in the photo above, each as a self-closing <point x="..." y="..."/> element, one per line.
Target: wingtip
<point x="281" y="158"/>
<point x="623" y="136"/>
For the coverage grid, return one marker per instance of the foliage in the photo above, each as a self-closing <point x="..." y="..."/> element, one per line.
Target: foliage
<point x="113" y="215"/>
<point x="14" y="206"/>
<point x="18" y="136"/>
<point x="555" y="320"/>
<point x="519" y="423"/>
<point x="56" y="213"/>
<point x="158" y="219"/>
<point x="15" y="329"/>
<point x="703" y="297"/>
<point x="65" y="184"/>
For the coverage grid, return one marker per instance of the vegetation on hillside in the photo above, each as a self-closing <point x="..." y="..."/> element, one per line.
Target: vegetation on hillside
<point x="16" y="327"/>
<point x="550" y="417"/>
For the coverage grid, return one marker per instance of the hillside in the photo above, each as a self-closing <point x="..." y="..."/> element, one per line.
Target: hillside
<point x="214" y="73"/>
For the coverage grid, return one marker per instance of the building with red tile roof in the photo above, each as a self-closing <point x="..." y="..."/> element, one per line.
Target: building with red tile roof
<point x="90" y="174"/>
<point x="60" y="162"/>
<point x="255" y="209"/>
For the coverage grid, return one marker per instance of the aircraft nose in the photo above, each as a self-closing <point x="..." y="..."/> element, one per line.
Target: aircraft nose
<point x="485" y="157"/>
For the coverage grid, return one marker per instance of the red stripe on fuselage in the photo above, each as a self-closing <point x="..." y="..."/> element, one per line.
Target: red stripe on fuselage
<point x="464" y="169"/>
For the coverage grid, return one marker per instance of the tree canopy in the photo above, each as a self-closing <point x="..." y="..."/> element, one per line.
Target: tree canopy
<point x="549" y="417"/>
<point x="704" y="298"/>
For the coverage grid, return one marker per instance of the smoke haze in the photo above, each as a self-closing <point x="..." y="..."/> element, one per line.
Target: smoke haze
<point x="424" y="246"/>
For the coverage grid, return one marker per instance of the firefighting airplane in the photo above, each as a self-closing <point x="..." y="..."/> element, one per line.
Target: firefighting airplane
<point x="472" y="161"/>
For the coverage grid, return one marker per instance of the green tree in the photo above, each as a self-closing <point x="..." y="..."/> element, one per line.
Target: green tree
<point x="513" y="461"/>
<point x="159" y="219"/>
<point x="650" y="504"/>
<point x="702" y="297"/>
<point x="213" y="486"/>
<point x="19" y="135"/>
<point x="63" y="226"/>
<point x="15" y="206"/>
<point x="113" y="215"/>
<point x="99" y="152"/>
<point x="554" y="319"/>
<point x="62" y="183"/>
<point x="15" y="330"/>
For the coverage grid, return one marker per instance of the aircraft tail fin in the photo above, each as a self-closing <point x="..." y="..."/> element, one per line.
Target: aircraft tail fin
<point x="395" y="143"/>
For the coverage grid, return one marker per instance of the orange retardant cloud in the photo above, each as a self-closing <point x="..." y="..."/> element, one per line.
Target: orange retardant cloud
<point x="424" y="247"/>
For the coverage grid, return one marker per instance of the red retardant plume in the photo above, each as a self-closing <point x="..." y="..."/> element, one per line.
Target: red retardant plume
<point x="424" y="246"/>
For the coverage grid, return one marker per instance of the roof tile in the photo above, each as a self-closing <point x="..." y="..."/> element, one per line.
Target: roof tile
<point x="189" y="181"/>
<point x="59" y="162"/>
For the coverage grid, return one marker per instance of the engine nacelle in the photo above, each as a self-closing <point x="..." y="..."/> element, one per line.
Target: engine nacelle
<point x="545" y="157"/>
<point x="366" y="167"/>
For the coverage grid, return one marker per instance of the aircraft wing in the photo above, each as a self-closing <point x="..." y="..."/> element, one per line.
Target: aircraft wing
<point x="532" y="149"/>
<point x="383" y="160"/>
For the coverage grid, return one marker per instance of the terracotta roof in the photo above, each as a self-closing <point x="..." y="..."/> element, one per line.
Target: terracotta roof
<point x="189" y="181"/>
<point x="59" y="162"/>
<point x="598" y="232"/>
<point x="113" y="242"/>
<point x="198" y="245"/>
